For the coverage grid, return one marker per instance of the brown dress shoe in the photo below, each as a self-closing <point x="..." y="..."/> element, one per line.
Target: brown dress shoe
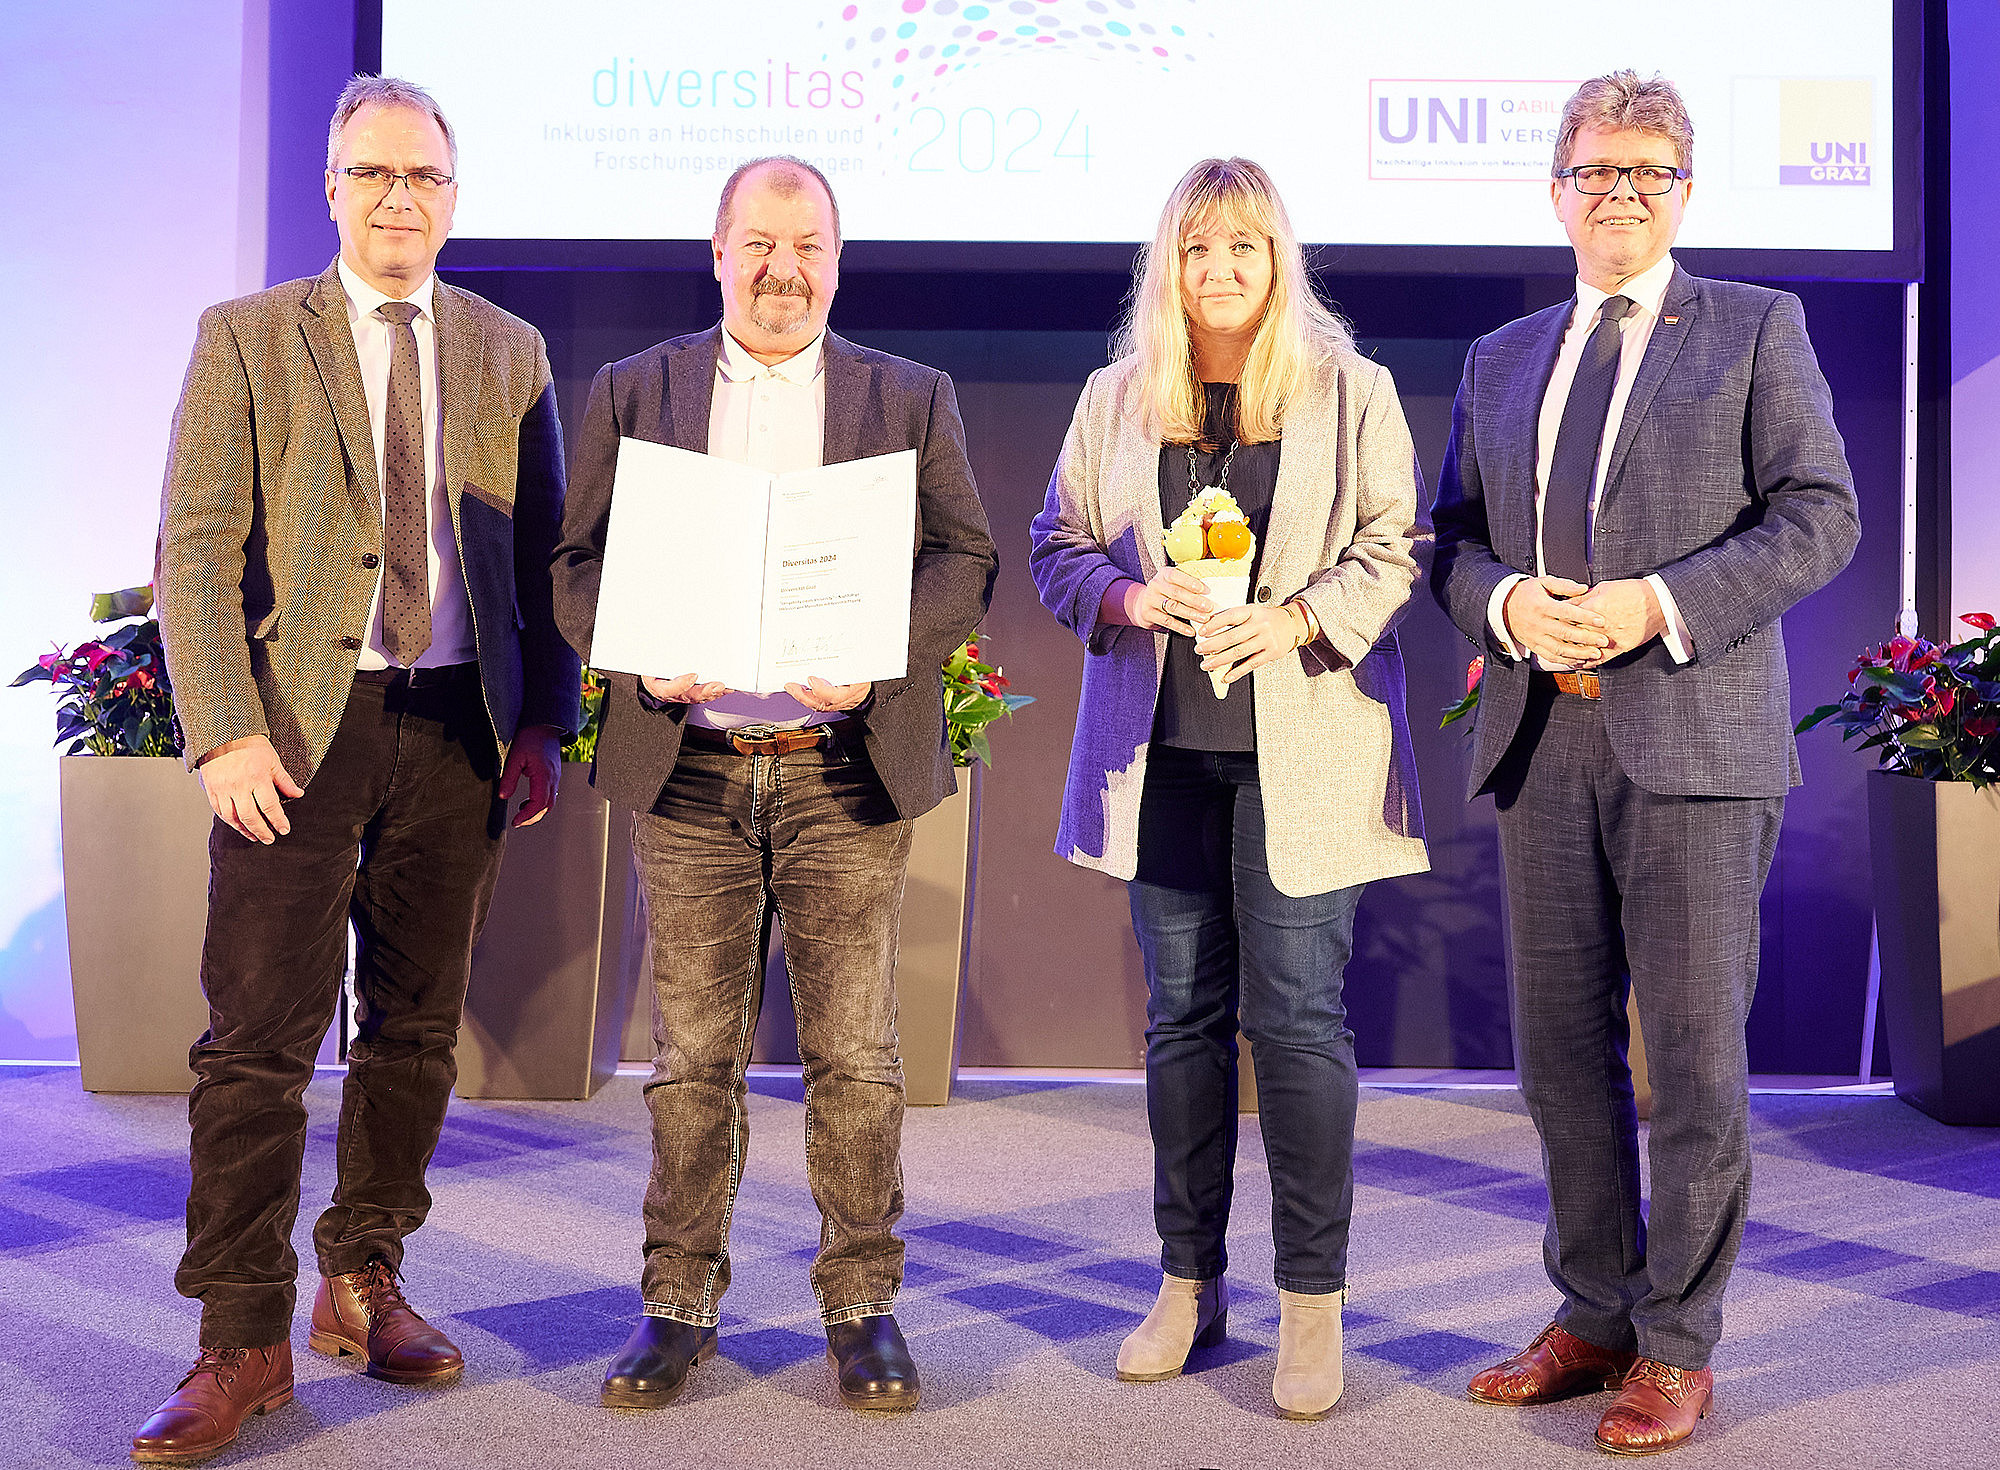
<point x="203" y="1415"/>
<point x="1656" y="1409"/>
<point x="363" y="1313"/>
<point x="1554" y="1366"/>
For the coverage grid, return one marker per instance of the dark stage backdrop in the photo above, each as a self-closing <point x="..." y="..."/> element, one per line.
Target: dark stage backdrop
<point x="1057" y="980"/>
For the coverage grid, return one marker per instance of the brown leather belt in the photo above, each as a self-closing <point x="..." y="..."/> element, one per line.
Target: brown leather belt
<point x="1576" y="681"/>
<point x="760" y="739"/>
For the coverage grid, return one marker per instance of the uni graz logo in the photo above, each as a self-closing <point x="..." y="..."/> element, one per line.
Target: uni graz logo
<point x="1825" y="131"/>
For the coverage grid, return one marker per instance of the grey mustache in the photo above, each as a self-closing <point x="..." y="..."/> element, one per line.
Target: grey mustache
<point x="789" y="286"/>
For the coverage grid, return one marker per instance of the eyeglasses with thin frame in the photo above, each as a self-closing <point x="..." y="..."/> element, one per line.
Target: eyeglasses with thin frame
<point x="422" y="183"/>
<point x="1602" y="178"/>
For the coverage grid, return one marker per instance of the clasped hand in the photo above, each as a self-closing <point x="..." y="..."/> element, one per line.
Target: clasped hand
<point x="1579" y="627"/>
<point x="1244" y="639"/>
<point x="1173" y="601"/>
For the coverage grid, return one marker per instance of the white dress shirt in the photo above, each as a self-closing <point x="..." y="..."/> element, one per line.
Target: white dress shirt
<point x="773" y="418"/>
<point x="1646" y="291"/>
<point x="451" y="613"/>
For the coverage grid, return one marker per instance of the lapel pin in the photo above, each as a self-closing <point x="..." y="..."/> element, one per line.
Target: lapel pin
<point x="1670" y="320"/>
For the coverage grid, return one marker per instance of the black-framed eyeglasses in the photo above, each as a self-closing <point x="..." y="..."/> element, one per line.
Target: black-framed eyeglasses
<point x="421" y="182"/>
<point x="1602" y="178"/>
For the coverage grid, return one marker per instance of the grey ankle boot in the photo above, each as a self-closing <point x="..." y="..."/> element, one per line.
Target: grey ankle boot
<point x="1188" y="1315"/>
<point x="1308" y="1381"/>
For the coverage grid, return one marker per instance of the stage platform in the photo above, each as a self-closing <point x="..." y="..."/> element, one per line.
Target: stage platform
<point x="1863" y="1322"/>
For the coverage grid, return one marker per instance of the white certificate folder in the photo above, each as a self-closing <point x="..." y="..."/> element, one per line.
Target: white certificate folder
<point x="757" y="580"/>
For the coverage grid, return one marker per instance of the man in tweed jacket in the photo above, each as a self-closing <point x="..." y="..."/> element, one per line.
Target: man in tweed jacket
<point x="1639" y="482"/>
<point x="362" y="497"/>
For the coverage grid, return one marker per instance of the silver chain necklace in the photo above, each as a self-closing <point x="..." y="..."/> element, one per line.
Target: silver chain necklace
<point x="1194" y="485"/>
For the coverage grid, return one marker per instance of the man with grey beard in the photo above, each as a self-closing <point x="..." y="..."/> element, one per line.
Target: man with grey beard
<point x="793" y="804"/>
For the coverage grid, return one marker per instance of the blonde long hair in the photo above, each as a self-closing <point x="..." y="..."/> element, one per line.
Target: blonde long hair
<point x="1298" y="331"/>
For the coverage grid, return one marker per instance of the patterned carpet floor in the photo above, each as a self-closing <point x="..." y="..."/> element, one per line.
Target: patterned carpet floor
<point x="1863" y="1322"/>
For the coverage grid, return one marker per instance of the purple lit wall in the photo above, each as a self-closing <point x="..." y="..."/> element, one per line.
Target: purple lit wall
<point x="135" y="168"/>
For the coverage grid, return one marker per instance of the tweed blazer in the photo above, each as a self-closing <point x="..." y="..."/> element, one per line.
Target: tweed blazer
<point x="271" y="518"/>
<point x="1347" y="534"/>
<point x="1727" y="477"/>
<point x="875" y="404"/>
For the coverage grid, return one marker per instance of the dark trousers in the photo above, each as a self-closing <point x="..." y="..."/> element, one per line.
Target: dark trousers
<point x="811" y="839"/>
<point x="1610" y="885"/>
<point x="401" y="831"/>
<point x="1220" y="944"/>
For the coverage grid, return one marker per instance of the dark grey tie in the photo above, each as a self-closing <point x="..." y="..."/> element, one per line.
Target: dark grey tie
<point x="1573" y="468"/>
<point x="406" y="573"/>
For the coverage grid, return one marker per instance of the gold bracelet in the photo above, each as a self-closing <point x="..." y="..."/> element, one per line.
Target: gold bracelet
<point x="1305" y="625"/>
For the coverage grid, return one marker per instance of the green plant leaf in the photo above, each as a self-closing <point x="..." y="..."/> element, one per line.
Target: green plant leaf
<point x="133" y="602"/>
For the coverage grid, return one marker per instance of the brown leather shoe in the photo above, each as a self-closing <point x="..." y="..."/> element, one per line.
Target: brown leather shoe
<point x="363" y="1313"/>
<point x="1554" y="1366"/>
<point x="202" y="1416"/>
<point x="1656" y="1409"/>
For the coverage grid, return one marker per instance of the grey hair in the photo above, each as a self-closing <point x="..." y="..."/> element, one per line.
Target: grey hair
<point x="367" y="91"/>
<point x="786" y="177"/>
<point x="1620" y="100"/>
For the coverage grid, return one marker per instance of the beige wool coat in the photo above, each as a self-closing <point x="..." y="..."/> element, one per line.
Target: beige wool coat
<point x="1348" y="534"/>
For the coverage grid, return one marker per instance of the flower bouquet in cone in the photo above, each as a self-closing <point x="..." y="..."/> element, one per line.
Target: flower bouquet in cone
<point x="1212" y="540"/>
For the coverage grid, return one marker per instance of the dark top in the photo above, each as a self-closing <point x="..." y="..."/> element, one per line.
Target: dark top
<point x="1189" y="715"/>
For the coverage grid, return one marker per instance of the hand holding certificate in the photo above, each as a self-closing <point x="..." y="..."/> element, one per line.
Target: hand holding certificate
<point x="755" y="580"/>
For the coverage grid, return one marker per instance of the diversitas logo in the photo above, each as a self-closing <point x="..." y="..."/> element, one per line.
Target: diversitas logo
<point x="1454" y="128"/>
<point x="1825" y="131"/>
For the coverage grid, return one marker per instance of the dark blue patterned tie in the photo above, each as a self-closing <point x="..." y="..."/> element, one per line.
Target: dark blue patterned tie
<point x="406" y="569"/>
<point x="1573" y="469"/>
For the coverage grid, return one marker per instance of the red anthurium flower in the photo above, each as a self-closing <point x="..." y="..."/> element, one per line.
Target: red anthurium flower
<point x="1982" y="621"/>
<point x="1940" y="705"/>
<point x="94" y="654"/>
<point x="1898" y="647"/>
<point x="1980" y="726"/>
<point x="141" y="679"/>
<point x="1474" y="672"/>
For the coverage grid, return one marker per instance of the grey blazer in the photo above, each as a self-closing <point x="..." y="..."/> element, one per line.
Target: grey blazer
<point x="271" y="519"/>
<point x="875" y="404"/>
<point x="1727" y="477"/>
<point x="1347" y="534"/>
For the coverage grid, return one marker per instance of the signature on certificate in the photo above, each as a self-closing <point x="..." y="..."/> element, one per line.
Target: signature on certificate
<point x="797" y="647"/>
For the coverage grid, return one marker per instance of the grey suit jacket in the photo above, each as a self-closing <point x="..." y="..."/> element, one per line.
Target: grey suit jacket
<point x="1726" y="477"/>
<point x="271" y="518"/>
<point x="875" y="404"/>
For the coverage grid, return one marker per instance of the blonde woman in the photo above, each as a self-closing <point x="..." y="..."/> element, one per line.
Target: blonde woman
<point x="1244" y="825"/>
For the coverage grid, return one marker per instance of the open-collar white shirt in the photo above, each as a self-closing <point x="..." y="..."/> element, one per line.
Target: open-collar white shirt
<point x="771" y="416"/>
<point x="1646" y="291"/>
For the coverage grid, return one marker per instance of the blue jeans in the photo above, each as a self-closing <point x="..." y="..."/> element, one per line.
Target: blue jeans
<point x="1220" y="943"/>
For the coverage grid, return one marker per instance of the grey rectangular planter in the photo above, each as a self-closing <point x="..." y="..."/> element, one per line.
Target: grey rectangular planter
<point x="1935" y="852"/>
<point x="550" y="978"/>
<point x="135" y="884"/>
<point x="936" y="950"/>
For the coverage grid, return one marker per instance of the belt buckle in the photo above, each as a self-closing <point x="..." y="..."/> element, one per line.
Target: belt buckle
<point x="757" y="739"/>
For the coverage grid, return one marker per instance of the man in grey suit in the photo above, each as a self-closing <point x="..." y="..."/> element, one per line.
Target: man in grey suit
<point x="795" y="805"/>
<point x="1640" y="481"/>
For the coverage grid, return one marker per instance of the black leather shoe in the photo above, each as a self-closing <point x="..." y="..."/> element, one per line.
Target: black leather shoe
<point x="651" y="1369"/>
<point x="871" y="1363"/>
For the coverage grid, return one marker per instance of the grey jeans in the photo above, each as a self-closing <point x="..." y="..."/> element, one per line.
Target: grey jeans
<point x="811" y="840"/>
